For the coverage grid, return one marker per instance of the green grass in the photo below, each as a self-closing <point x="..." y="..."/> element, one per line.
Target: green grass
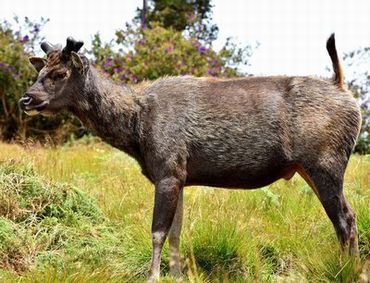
<point x="82" y="213"/>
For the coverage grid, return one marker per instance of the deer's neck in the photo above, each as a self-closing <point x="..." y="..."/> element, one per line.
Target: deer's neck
<point x="110" y="111"/>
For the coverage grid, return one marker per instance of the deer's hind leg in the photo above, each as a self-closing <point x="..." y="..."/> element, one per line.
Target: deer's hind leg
<point x="326" y="179"/>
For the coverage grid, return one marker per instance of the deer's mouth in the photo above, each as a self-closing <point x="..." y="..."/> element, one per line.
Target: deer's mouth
<point x="33" y="110"/>
<point x="32" y="105"/>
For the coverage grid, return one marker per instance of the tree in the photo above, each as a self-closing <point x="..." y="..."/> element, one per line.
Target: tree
<point x="194" y="16"/>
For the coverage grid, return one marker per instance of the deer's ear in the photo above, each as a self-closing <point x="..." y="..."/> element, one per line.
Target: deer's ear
<point x="77" y="62"/>
<point x="38" y="63"/>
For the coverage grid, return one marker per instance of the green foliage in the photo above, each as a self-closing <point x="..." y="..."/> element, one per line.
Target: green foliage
<point x="216" y="248"/>
<point x="152" y="53"/>
<point x="193" y="16"/>
<point x="363" y="220"/>
<point x="15" y="75"/>
<point x="49" y="224"/>
<point x="169" y="45"/>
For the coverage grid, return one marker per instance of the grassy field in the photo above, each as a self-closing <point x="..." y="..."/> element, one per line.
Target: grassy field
<point x="82" y="213"/>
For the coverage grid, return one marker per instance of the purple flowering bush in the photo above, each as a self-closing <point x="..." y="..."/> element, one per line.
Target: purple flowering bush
<point x="152" y="53"/>
<point x="15" y="75"/>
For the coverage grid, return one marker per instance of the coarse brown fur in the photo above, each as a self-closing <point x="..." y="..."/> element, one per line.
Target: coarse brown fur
<point x="233" y="133"/>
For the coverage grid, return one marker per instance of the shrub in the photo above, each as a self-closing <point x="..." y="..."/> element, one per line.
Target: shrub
<point x="15" y="75"/>
<point x="152" y="53"/>
<point x="50" y="224"/>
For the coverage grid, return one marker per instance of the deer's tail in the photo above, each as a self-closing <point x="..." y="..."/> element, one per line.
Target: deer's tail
<point x="338" y="71"/>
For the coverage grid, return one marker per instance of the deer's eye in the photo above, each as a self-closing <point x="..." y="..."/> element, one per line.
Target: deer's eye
<point x="59" y="76"/>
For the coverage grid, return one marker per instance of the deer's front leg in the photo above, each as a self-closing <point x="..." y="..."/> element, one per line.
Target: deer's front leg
<point x="174" y="238"/>
<point x="165" y="203"/>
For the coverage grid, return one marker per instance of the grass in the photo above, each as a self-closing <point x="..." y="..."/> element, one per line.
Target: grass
<point x="82" y="213"/>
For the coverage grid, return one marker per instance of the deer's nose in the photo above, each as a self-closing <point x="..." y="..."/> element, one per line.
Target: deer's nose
<point x="25" y="100"/>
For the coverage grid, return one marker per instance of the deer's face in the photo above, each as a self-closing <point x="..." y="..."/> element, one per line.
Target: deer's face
<point x="60" y="76"/>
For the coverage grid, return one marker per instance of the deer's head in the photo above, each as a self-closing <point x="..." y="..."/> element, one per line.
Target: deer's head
<point x="61" y="76"/>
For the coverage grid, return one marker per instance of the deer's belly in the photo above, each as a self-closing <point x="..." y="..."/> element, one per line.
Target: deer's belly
<point x="248" y="176"/>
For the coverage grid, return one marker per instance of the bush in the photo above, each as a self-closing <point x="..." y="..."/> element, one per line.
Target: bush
<point x="153" y="53"/>
<point x="48" y="224"/>
<point x="15" y="75"/>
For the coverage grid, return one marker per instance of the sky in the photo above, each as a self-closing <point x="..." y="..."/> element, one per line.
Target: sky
<point x="291" y="33"/>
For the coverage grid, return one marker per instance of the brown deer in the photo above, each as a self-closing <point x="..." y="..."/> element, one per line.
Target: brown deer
<point x="231" y="133"/>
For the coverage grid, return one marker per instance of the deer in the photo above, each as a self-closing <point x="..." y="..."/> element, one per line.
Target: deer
<point x="236" y="133"/>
